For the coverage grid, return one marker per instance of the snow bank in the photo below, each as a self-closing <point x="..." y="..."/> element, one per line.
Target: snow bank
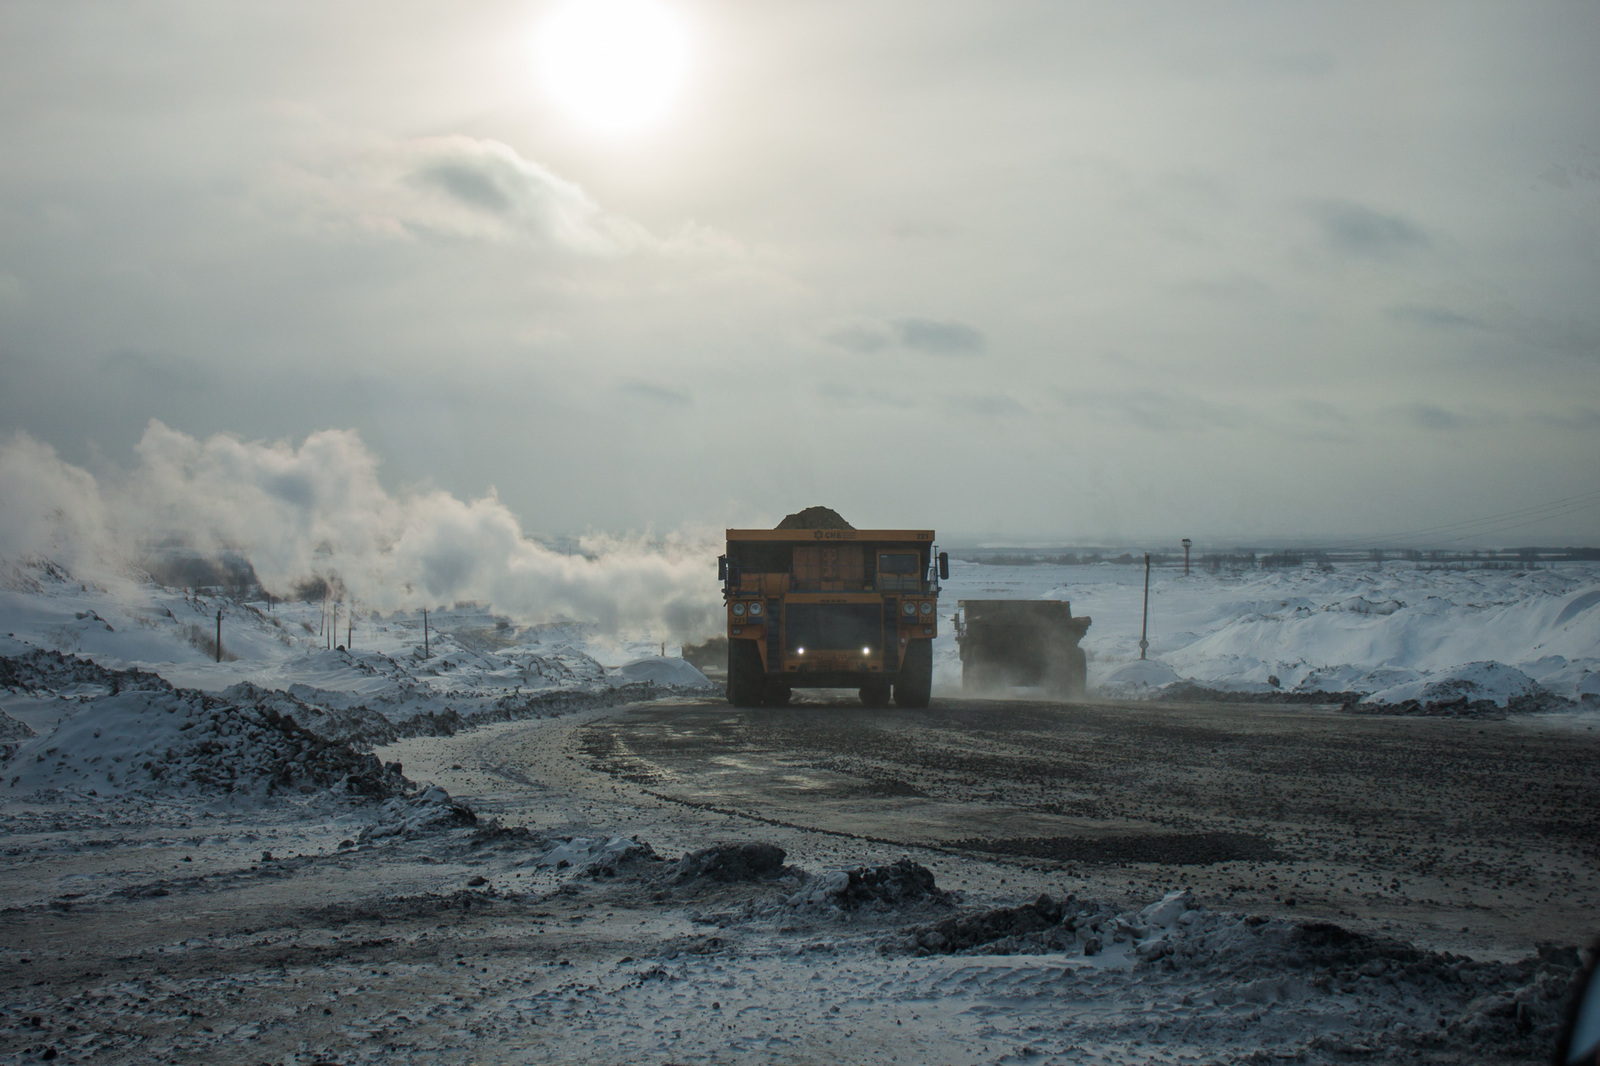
<point x="1140" y="678"/>
<point x="142" y="734"/>
<point x="1386" y="632"/>
<point x="1493" y="682"/>
<point x="656" y="670"/>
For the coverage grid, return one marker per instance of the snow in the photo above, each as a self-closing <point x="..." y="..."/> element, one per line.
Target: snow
<point x="659" y="671"/>
<point x="1386" y="631"/>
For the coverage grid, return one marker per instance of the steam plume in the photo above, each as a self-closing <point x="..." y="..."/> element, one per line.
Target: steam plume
<point x="319" y="511"/>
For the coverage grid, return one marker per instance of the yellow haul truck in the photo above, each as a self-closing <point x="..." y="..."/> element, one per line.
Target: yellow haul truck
<point x="831" y="608"/>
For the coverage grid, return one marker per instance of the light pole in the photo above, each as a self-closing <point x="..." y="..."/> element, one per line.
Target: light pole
<point x="1144" y="627"/>
<point x="1186" y="543"/>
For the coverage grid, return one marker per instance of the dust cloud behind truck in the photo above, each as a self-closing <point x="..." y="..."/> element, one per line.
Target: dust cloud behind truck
<point x="831" y="607"/>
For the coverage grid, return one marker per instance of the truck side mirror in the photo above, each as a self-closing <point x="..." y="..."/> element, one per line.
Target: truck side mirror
<point x="944" y="566"/>
<point x="722" y="568"/>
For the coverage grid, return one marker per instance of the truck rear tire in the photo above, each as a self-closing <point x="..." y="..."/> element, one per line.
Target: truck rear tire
<point x="778" y="694"/>
<point x="1068" y="676"/>
<point x="745" y="680"/>
<point x="914" y="686"/>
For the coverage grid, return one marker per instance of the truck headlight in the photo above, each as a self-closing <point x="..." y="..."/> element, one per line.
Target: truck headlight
<point x="755" y="608"/>
<point x="927" y="608"/>
<point x="909" y="608"/>
<point x="738" y="610"/>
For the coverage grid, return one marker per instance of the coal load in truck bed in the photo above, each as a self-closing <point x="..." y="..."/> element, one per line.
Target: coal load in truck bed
<point x="814" y="518"/>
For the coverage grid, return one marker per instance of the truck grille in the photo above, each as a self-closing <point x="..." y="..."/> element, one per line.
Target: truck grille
<point x="833" y="627"/>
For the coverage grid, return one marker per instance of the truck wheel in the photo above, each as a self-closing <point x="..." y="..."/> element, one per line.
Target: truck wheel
<point x="1068" y="675"/>
<point x="875" y="695"/>
<point x="745" y="682"/>
<point x="915" y="683"/>
<point x="778" y="694"/>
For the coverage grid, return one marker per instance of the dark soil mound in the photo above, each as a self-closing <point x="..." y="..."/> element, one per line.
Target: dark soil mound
<point x="903" y="882"/>
<point x="957" y="934"/>
<point x="815" y="518"/>
<point x="752" y="861"/>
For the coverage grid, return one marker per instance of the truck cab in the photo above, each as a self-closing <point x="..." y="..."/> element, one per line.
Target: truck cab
<point x="831" y="608"/>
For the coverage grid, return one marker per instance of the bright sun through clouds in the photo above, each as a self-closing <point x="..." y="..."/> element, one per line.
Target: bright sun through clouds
<point x="613" y="66"/>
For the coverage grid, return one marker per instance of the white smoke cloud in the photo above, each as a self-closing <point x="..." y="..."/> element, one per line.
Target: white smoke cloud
<point x="320" y="511"/>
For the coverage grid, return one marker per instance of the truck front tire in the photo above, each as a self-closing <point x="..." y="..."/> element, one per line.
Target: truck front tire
<point x="914" y="686"/>
<point x="746" y="684"/>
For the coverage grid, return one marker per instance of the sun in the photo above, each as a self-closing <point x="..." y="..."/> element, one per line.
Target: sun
<point x="615" y="67"/>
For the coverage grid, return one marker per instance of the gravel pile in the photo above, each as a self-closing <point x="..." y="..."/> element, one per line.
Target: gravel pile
<point x="1044" y="925"/>
<point x="875" y="887"/>
<point x="144" y="734"/>
<point x="429" y="811"/>
<point x="1413" y="1000"/>
<point x="12" y="734"/>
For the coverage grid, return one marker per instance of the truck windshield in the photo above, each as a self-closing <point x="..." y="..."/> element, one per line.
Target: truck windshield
<point x="899" y="572"/>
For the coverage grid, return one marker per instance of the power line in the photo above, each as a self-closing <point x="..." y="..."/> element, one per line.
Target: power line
<point x="1511" y="519"/>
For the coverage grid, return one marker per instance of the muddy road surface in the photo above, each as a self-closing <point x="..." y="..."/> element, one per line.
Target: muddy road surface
<point x="1343" y="868"/>
<point x="1479" y="835"/>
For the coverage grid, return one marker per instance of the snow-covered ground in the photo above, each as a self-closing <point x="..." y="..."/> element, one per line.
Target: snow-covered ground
<point x="1391" y="632"/>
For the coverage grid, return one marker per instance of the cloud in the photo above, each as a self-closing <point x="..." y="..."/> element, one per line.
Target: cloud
<point x="463" y="188"/>
<point x="940" y="338"/>
<point x="926" y="335"/>
<point x="835" y="394"/>
<point x="1432" y="417"/>
<point x="862" y="337"/>
<point x="1355" y="229"/>
<point x="1432" y="317"/>
<point x="987" y="405"/>
<point x="1158" y="410"/>
<point x="319" y="510"/>
<point x="660" y="394"/>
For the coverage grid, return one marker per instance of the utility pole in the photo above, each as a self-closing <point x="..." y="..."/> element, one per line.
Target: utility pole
<point x="1186" y="543"/>
<point x="424" y="632"/>
<point x="219" y="634"/>
<point x="350" y="630"/>
<point x="333" y="630"/>
<point x="1144" y="627"/>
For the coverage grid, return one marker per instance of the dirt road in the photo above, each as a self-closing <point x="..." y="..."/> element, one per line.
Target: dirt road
<point x="1463" y="834"/>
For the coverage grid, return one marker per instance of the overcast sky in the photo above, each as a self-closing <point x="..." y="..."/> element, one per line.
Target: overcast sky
<point x="1048" y="271"/>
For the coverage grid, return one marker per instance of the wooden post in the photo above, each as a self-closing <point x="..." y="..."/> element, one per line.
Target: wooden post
<point x="219" y="634"/>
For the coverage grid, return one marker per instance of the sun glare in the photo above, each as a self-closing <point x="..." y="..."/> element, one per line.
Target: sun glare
<point x="613" y="66"/>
